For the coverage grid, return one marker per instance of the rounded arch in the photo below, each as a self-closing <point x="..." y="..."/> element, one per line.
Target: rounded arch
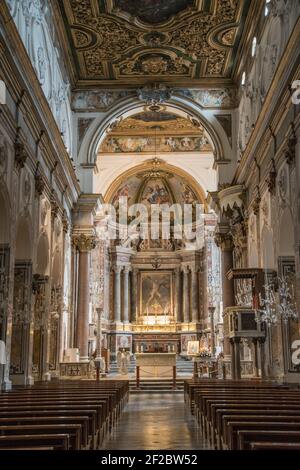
<point x="178" y="105"/>
<point x="24" y="239"/>
<point x="42" y="261"/>
<point x="198" y="190"/>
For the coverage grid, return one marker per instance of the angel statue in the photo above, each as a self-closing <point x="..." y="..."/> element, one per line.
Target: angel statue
<point x="123" y="361"/>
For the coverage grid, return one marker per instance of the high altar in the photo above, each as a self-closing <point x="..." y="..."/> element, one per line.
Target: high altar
<point x="156" y="364"/>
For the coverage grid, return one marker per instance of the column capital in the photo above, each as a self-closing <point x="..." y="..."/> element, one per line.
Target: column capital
<point x="224" y="241"/>
<point x="127" y="269"/>
<point x="117" y="269"/>
<point x="84" y="242"/>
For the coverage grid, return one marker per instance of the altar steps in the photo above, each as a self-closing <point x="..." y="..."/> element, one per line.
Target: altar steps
<point x="156" y="386"/>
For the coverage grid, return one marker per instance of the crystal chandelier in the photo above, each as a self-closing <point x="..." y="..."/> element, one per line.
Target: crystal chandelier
<point x="277" y="307"/>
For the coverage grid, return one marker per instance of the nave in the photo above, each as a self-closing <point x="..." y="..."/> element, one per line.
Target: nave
<point x="156" y="421"/>
<point x="91" y="415"/>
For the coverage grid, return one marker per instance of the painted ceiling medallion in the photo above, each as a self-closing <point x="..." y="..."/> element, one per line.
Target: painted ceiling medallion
<point x="128" y="42"/>
<point x="153" y="11"/>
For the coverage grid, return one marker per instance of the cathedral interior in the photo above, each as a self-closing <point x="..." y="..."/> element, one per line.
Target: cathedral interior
<point x="150" y="219"/>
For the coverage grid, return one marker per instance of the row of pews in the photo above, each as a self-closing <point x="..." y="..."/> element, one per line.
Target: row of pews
<point x="245" y="415"/>
<point x="60" y="416"/>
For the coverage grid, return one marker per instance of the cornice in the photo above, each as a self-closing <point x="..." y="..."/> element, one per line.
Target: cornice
<point x="63" y="39"/>
<point x="251" y="23"/>
<point x="36" y="107"/>
<point x="284" y="100"/>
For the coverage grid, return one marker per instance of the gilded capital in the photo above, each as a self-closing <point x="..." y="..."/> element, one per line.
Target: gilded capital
<point x="84" y="242"/>
<point x="224" y="241"/>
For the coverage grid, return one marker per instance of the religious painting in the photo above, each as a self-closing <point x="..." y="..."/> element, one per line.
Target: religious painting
<point x="156" y="192"/>
<point x="123" y="342"/>
<point x="193" y="348"/>
<point x="153" y="11"/>
<point x="185" y="339"/>
<point x="152" y="144"/>
<point x="156" y="294"/>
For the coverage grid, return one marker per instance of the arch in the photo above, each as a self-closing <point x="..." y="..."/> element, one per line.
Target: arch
<point x="179" y="105"/>
<point x="42" y="263"/>
<point x="23" y="240"/>
<point x="165" y="167"/>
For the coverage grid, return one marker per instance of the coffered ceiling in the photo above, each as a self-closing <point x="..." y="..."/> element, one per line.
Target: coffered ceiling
<point x="130" y="42"/>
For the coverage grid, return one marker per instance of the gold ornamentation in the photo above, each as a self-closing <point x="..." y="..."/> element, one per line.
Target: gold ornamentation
<point x="85" y="242"/>
<point x="107" y="42"/>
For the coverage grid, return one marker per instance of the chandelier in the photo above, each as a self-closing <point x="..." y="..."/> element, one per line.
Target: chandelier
<point x="277" y="306"/>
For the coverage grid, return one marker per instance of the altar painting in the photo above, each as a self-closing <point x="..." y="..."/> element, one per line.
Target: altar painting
<point x="156" y="294"/>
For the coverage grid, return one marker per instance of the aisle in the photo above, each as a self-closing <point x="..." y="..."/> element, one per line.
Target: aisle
<point x="156" y="421"/>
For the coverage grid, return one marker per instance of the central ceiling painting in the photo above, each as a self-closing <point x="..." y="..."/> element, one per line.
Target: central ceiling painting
<point x="153" y="11"/>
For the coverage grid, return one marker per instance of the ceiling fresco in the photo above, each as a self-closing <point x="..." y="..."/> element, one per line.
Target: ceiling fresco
<point x="153" y="11"/>
<point x="183" y="42"/>
<point x="151" y="132"/>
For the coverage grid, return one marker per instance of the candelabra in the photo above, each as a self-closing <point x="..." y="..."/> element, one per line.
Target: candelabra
<point x="277" y="307"/>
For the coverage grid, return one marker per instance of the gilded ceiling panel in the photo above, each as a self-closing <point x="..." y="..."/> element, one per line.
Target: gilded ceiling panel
<point x="127" y="42"/>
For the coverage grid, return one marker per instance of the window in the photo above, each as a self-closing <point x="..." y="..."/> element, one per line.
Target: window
<point x="243" y="82"/>
<point x="254" y="44"/>
<point x="267" y="7"/>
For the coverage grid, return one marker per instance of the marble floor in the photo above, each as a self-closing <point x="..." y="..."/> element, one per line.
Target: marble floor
<point x="156" y="422"/>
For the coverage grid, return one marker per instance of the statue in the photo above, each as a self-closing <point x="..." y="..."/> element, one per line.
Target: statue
<point x="123" y="360"/>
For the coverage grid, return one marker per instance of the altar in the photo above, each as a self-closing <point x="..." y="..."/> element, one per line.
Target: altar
<point x="155" y="365"/>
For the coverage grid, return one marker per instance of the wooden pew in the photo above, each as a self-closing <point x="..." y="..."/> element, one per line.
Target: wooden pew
<point x="245" y="438"/>
<point x="256" y="406"/>
<point x="87" y="410"/>
<point x="72" y="430"/>
<point x="57" y="441"/>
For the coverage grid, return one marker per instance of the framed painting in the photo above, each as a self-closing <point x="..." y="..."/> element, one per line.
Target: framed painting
<point x="156" y="296"/>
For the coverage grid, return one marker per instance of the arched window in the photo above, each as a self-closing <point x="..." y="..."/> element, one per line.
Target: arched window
<point x="254" y="44"/>
<point x="243" y="82"/>
<point x="267" y="7"/>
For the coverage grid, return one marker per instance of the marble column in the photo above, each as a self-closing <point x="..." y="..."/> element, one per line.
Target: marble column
<point x="186" y="297"/>
<point x="233" y="367"/>
<point x="255" y="357"/>
<point x="224" y="242"/>
<point x="134" y="283"/>
<point x="212" y="330"/>
<point x="84" y="244"/>
<point x="177" y="309"/>
<point x="237" y="361"/>
<point x="126" y="295"/>
<point x="117" y="293"/>
<point x="262" y="357"/>
<point x="194" y="296"/>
